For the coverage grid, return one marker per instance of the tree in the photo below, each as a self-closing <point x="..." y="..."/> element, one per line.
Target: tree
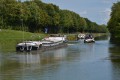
<point x="35" y="16"/>
<point x="114" y="22"/>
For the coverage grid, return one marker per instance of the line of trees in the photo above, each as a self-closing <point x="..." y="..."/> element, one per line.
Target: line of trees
<point x="114" y="22"/>
<point x="35" y="16"/>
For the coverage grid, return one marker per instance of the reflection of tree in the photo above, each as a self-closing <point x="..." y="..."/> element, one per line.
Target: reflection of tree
<point x="7" y="70"/>
<point x="114" y="41"/>
<point x="115" y="70"/>
<point x="115" y="53"/>
<point x="114" y="50"/>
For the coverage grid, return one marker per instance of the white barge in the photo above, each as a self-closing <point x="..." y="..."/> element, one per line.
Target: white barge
<point x="44" y="44"/>
<point x="52" y="41"/>
<point x="28" y="46"/>
<point x="81" y="36"/>
<point x="89" y="39"/>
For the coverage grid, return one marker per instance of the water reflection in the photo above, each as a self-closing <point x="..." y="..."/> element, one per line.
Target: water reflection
<point x="48" y="57"/>
<point x="29" y="58"/>
<point x="116" y="70"/>
<point x="8" y="69"/>
<point x="114" y="51"/>
<point x="60" y="54"/>
<point x="29" y="65"/>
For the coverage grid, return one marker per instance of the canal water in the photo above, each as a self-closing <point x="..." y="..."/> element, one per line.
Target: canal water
<point x="77" y="61"/>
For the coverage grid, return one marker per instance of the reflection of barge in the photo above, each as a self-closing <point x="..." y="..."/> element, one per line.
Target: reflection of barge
<point x="45" y="44"/>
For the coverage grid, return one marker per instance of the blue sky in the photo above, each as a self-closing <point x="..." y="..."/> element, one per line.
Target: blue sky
<point x="95" y="10"/>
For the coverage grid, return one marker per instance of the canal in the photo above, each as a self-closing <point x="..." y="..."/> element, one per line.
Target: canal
<point x="77" y="61"/>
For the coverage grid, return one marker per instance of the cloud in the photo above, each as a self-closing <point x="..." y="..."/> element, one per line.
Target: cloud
<point x="106" y="14"/>
<point x="83" y="12"/>
<point x="106" y="1"/>
<point x="107" y="11"/>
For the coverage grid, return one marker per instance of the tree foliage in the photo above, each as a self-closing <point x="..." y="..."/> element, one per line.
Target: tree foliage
<point x="35" y="16"/>
<point x="114" y="22"/>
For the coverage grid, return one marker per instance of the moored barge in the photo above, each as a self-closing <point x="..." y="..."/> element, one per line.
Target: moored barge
<point x="44" y="44"/>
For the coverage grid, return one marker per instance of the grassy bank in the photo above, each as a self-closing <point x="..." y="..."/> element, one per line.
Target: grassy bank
<point x="100" y="34"/>
<point x="72" y="37"/>
<point x="9" y="38"/>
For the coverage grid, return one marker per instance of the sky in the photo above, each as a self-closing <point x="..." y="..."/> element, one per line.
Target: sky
<point x="95" y="10"/>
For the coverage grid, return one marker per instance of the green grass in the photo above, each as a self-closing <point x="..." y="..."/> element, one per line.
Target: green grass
<point x="71" y="37"/>
<point x="9" y="38"/>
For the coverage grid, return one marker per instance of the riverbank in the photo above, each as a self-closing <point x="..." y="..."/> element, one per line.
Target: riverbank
<point x="9" y="38"/>
<point x="100" y="34"/>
